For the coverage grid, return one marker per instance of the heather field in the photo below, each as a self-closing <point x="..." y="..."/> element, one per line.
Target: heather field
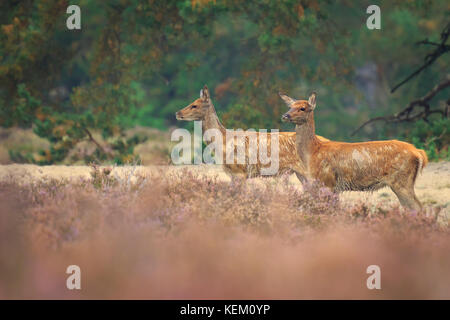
<point x="166" y="232"/>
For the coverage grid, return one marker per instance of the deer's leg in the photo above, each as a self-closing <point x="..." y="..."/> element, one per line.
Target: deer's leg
<point x="407" y="197"/>
<point x="403" y="187"/>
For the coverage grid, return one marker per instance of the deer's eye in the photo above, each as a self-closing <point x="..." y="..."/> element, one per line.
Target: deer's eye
<point x="193" y="107"/>
<point x="303" y="109"/>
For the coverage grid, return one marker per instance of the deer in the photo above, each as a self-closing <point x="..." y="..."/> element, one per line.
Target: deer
<point x="360" y="166"/>
<point x="202" y="109"/>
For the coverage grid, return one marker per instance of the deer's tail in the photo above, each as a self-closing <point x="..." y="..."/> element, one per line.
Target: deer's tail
<point x="423" y="159"/>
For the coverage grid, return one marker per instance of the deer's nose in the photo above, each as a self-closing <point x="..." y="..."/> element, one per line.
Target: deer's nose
<point x="286" y="116"/>
<point x="178" y="115"/>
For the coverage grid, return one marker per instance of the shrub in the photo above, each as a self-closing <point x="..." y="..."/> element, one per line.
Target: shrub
<point x="167" y="235"/>
<point x="433" y="137"/>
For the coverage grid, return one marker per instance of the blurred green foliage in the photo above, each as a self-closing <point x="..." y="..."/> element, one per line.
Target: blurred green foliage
<point x="138" y="62"/>
<point x="433" y="137"/>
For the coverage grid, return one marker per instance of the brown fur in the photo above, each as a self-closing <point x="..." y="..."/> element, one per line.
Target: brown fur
<point x="362" y="166"/>
<point x="203" y="109"/>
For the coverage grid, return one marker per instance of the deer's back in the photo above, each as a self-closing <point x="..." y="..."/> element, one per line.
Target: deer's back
<point x="364" y="165"/>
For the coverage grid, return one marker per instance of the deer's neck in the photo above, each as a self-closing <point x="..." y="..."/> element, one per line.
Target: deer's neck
<point x="306" y="140"/>
<point x="211" y="121"/>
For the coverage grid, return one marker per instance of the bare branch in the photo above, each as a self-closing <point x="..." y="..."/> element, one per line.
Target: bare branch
<point x="441" y="48"/>
<point x="405" y="114"/>
<point x="431" y="43"/>
<point x="95" y="142"/>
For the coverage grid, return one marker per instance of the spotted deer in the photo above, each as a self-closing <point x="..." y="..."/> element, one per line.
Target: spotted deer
<point x="202" y="109"/>
<point x="362" y="166"/>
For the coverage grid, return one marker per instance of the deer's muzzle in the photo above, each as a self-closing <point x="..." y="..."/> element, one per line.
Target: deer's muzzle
<point x="286" y="117"/>
<point x="179" y="116"/>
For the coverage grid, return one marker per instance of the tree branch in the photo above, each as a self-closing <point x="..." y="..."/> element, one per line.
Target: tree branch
<point x="95" y="142"/>
<point x="441" y="48"/>
<point x="405" y="114"/>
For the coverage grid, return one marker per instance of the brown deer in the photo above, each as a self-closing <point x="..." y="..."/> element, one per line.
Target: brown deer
<point x="202" y="109"/>
<point x="362" y="166"/>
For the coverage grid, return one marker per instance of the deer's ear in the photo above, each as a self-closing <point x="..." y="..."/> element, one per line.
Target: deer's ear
<point x="286" y="99"/>
<point x="204" y="93"/>
<point x="312" y="100"/>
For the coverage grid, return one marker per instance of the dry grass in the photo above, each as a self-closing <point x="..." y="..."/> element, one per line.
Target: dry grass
<point x="183" y="234"/>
